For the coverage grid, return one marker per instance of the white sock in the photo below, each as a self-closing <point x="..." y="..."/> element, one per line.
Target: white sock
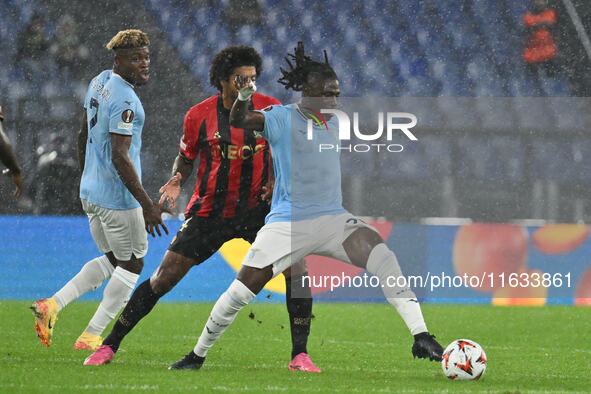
<point x="115" y="296"/>
<point x="382" y="263"/>
<point x="222" y="315"/>
<point x="90" y="277"/>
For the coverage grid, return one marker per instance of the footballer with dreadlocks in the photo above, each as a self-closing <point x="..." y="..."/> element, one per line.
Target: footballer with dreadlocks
<point x="120" y="212"/>
<point x="233" y="178"/>
<point x="306" y="215"/>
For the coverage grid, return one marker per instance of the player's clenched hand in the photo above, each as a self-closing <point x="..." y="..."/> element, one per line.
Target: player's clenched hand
<point x="268" y="191"/>
<point x="153" y="218"/>
<point x="17" y="178"/>
<point x="245" y="86"/>
<point x="170" y="191"/>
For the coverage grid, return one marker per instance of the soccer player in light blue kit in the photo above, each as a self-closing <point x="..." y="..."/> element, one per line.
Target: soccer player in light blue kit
<point x="119" y="210"/>
<point x="306" y="215"/>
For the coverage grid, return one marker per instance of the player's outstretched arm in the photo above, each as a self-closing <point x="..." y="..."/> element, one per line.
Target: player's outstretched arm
<point x="181" y="171"/>
<point x="124" y="166"/>
<point x="82" y="137"/>
<point x="8" y="158"/>
<point x="240" y="115"/>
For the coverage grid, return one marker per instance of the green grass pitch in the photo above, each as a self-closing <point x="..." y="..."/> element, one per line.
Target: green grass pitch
<point x="360" y="347"/>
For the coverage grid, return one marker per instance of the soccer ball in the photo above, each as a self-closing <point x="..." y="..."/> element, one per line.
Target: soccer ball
<point x="463" y="359"/>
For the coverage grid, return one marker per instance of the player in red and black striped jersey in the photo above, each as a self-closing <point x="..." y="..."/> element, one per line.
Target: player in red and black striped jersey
<point x="234" y="165"/>
<point x="234" y="178"/>
<point x="8" y="158"/>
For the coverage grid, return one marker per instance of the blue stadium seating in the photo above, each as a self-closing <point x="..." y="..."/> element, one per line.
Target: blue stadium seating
<point x="409" y="48"/>
<point x="412" y="48"/>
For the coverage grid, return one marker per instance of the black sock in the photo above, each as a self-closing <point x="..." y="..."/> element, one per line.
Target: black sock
<point x="141" y="303"/>
<point x="299" y="305"/>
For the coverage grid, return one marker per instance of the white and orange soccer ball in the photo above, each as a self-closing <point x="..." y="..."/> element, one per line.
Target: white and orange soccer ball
<point x="463" y="359"/>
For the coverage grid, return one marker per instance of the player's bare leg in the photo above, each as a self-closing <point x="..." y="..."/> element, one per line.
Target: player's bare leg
<point x="171" y="270"/>
<point x="366" y="249"/>
<point x="298" y="297"/>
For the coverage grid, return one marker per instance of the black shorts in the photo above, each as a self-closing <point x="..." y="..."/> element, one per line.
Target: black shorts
<point x="200" y="237"/>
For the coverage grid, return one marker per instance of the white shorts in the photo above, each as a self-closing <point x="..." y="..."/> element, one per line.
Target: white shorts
<point x="281" y="244"/>
<point x="122" y="232"/>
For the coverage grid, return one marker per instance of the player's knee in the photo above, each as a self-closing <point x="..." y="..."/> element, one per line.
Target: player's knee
<point x="136" y="265"/>
<point x="139" y="263"/>
<point x="360" y="244"/>
<point x="171" y="270"/>
<point x="112" y="259"/>
<point x="162" y="282"/>
<point x="164" y="279"/>
<point x="255" y="278"/>
<point x="133" y="265"/>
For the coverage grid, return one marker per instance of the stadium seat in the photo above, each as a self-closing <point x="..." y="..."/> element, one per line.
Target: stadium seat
<point x="415" y="38"/>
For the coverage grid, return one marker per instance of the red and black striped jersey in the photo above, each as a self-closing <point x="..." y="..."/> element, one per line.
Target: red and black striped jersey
<point x="234" y="164"/>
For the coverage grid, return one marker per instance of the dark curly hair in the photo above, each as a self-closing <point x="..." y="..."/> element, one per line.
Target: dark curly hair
<point x="297" y="75"/>
<point x="224" y="63"/>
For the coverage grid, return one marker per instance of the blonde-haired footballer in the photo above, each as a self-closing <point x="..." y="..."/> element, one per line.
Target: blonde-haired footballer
<point x="120" y="212"/>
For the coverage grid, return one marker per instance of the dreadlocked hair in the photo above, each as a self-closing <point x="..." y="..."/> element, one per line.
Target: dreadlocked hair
<point x="127" y="39"/>
<point x="297" y="75"/>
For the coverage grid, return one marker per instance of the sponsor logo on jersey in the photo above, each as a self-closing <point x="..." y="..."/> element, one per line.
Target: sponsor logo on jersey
<point x="124" y="126"/>
<point x="235" y="152"/>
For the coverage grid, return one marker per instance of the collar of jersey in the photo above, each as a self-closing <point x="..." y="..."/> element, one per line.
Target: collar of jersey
<point x="120" y="77"/>
<point x="297" y="106"/>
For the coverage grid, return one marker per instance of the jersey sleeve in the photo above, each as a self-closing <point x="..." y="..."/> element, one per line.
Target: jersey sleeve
<point x="122" y="119"/>
<point x="275" y="122"/>
<point x="88" y="95"/>
<point x="188" y="144"/>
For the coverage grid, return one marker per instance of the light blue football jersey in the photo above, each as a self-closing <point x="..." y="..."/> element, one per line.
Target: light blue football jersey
<point x="307" y="180"/>
<point x="112" y="107"/>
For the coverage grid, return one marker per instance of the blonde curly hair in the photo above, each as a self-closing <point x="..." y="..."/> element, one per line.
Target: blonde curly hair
<point x="127" y="39"/>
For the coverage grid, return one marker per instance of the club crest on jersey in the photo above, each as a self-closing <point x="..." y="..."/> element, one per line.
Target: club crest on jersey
<point x="127" y="116"/>
<point x="217" y="135"/>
